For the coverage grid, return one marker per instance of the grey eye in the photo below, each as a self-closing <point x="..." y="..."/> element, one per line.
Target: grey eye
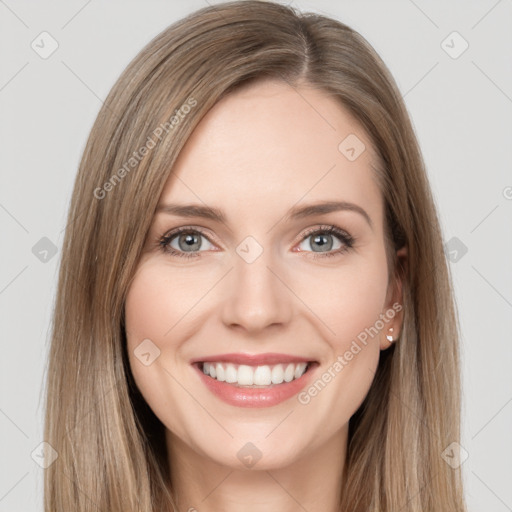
<point x="322" y="241"/>
<point x="188" y="242"/>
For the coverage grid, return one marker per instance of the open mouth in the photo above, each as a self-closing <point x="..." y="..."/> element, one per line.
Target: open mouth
<point x="261" y="376"/>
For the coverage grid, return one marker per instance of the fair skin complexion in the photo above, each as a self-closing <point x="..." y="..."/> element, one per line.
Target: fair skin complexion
<point x="258" y="153"/>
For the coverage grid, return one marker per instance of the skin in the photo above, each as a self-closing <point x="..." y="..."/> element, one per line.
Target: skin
<point x="256" y="154"/>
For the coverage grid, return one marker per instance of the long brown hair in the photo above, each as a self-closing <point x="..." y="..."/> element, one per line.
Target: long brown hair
<point x="109" y="443"/>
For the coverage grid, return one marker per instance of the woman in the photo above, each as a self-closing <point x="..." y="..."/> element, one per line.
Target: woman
<point x="254" y="308"/>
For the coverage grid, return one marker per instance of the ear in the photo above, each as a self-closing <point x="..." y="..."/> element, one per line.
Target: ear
<point x="394" y="307"/>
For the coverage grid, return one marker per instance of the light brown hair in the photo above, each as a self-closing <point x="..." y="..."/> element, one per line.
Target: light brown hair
<point x="111" y="446"/>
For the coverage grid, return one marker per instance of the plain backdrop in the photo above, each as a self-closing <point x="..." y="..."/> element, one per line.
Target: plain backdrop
<point x="458" y="89"/>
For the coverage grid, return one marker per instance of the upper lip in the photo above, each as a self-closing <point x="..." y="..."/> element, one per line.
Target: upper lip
<point x="252" y="359"/>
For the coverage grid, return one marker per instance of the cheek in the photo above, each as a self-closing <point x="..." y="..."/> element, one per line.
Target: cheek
<point x="158" y="309"/>
<point x="348" y="299"/>
<point x="153" y="309"/>
<point x="157" y="303"/>
<point x="351" y="312"/>
<point x="356" y="305"/>
<point x="146" y="301"/>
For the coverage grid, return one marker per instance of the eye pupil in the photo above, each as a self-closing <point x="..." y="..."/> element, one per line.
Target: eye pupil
<point x="191" y="241"/>
<point x="323" y="241"/>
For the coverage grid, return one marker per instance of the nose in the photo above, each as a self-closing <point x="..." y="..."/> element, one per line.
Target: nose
<point x="257" y="295"/>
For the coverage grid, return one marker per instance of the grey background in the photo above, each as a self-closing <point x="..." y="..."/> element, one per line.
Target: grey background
<point x="461" y="109"/>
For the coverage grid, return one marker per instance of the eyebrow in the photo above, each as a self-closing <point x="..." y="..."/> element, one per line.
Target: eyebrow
<point x="298" y="212"/>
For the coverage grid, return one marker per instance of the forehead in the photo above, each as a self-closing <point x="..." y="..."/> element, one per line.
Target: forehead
<point x="268" y="146"/>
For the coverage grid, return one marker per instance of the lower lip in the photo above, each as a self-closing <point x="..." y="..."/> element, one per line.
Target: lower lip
<point x="256" y="397"/>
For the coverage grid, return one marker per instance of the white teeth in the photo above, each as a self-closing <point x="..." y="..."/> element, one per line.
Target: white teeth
<point x="245" y="375"/>
<point x="298" y="371"/>
<point x="231" y="374"/>
<point x="262" y="375"/>
<point x="221" y="375"/>
<point x="277" y="374"/>
<point x="289" y="373"/>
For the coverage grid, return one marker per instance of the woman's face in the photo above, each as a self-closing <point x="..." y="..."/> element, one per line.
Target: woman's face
<point x="269" y="278"/>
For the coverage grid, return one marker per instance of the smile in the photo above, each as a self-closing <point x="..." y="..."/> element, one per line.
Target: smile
<point x="245" y="375"/>
<point x="263" y="385"/>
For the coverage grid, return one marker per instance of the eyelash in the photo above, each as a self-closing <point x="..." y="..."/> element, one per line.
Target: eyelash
<point x="344" y="237"/>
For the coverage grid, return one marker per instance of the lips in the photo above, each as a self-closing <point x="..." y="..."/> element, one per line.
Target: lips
<point x="283" y="386"/>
